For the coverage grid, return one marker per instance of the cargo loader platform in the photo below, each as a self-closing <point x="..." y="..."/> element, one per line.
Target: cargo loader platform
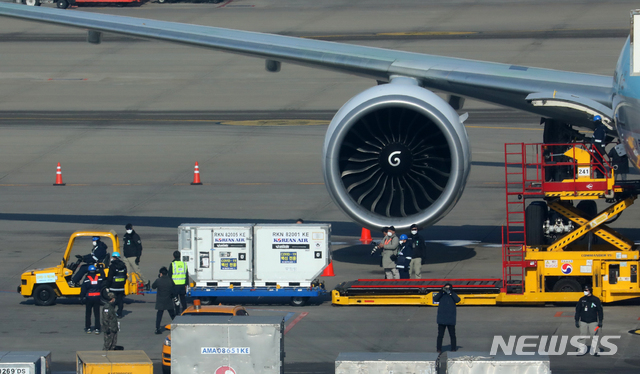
<point x="404" y="286"/>
<point x="413" y="291"/>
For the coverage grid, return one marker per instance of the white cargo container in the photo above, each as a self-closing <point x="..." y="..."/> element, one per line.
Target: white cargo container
<point x="217" y="254"/>
<point x="290" y="255"/>
<point x="386" y="362"/>
<point x="482" y="362"/>
<point x="25" y="362"/>
<point x="227" y="344"/>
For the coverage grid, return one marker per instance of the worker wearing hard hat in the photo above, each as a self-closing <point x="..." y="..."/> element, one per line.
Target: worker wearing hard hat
<point x="404" y="257"/>
<point x="91" y="294"/>
<point x="116" y="281"/>
<point x="599" y="142"/>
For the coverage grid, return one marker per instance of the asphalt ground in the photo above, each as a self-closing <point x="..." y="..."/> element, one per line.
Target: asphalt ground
<point x="128" y="119"/>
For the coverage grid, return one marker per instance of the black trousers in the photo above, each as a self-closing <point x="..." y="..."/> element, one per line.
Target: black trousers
<point x="82" y="270"/>
<point x="452" y="336"/>
<point x="92" y="304"/>
<point x="181" y="292"/>
<point x="119" y="301"/>
<point x="159" y="317"/>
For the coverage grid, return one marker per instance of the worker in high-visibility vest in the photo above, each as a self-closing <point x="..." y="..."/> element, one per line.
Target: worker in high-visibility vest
<point x="180" y="276"/>
<point x="91" y="296"/>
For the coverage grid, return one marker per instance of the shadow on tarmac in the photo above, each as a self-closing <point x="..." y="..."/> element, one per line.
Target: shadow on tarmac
<point x="479" y="233"/>
<point x="76" y="301"/>
<point x="436" y="254"/>
<point x="337" y="228"/>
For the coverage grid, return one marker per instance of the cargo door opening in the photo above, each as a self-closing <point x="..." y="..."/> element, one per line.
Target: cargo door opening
<point x="614" y="273"/>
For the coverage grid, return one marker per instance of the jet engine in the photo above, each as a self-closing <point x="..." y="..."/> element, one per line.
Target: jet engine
<point x="396" y="154"/>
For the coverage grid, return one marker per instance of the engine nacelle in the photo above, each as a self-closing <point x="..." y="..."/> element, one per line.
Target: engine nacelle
<point x="396" y="154"/>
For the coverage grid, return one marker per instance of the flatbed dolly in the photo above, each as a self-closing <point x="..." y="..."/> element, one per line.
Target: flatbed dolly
<point x="297" y="296"/>
<point x="548" y="252"/>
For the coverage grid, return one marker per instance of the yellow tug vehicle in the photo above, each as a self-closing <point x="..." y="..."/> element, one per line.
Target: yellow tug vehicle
<point x="46" y="285"/>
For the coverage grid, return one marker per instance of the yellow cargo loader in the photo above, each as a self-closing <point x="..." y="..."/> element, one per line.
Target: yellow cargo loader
<point x="551" y="249"/>
<point x="46" y="285"/>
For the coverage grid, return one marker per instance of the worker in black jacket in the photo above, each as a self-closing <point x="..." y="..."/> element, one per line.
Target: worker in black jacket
<point x="403" y="259"/>
<point x="599" y="143"/>
<point x="98" y="255"/>
<point x="164" y="297"/>
<point x="116" y="281"/>
<point x="589" y="316"/>
<point x="447" y="300"/>
<point x="132" y="251"/>
<point x="418" y="252"/>
<point x="91" y="295"/>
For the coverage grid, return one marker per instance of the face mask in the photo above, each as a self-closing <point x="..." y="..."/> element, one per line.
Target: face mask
<point x="129" y="231"/>
<point x="389" y="234"/>
<point x="95" y="243"/>
<point x="586" y="293"/>
<point x="414" y="232"/>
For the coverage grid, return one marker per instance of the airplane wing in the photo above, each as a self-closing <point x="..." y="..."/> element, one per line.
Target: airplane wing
<point x="568" y="96"/>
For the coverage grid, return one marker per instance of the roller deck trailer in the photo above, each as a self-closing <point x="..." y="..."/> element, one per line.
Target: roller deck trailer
<point x="298" y="296"/>
<point x="404" y="286"/>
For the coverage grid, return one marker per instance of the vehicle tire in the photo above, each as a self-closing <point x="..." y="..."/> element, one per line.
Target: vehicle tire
<point x="62" y="4"/>
<point x="299" y="301"/>
<point x="567" y="285"/>
<point x="162" y="2"/>
<point x="166" y="369"/>
<point x="535" y="215"/>
<point x="44" y="295"/>
<point x="32" y="2"/>
<point x="18" y="1"/>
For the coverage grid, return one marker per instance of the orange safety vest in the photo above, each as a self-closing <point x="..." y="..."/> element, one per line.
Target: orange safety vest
<point x="93" y="280"/>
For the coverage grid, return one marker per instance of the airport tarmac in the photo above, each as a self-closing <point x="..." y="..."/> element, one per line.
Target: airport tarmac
<point x="128" y="119"/>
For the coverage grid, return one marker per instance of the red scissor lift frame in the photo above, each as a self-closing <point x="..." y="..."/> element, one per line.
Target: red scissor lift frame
<point x="526" y="166"/>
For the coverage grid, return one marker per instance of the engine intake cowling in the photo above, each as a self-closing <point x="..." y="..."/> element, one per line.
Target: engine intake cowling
<point x="396" y="154"/>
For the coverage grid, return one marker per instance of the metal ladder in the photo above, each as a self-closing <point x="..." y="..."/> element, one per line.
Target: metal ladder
<point x="518" y="183"/>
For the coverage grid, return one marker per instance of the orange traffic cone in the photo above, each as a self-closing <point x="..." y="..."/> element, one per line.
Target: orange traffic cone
<point x="196" y="175"/>
<point x="58" y="176"/>
<point x="328" y="271"/>
<point x="365" y="238"/>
